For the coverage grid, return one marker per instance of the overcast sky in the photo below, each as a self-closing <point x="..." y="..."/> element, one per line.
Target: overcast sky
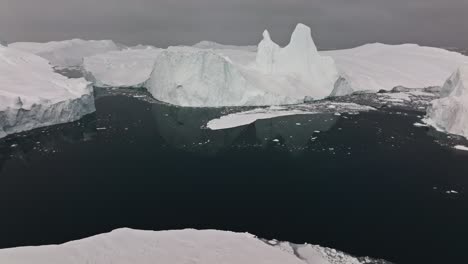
<point x="334" y="23"/>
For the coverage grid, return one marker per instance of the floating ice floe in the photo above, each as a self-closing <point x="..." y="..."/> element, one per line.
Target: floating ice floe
<point x="420" y="125"/>
<point x="450" y="113"/>
<point x="461" y="147"/>
<point x="67" y="53"/>
<point x="248" y="117"/>
<point x="32" y="95"/>
<point x="125" y="68"/>
<point x="125" y="246"/>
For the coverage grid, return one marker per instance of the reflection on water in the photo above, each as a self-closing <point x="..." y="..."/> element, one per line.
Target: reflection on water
<point x="44" y="141"/>
<point x="182" y="128"/>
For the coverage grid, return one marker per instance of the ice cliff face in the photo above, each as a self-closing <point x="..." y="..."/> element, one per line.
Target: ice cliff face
<point x="32" y="95"/>
<point x="189" y="76"/>
<point x="126" y="68"/>
<point x="196" y="77"/>
<point x="125" y="246"/>
<point x="68" y="53"/>
<point x="450" y="113"/>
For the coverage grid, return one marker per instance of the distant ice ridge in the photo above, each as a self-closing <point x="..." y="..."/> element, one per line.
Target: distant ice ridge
<point x="383" y="67"/>
<point x="32" y="95"/>
<point x="67" y="53"/>
<point x="125" y="68"/>
<point x="126" y="246"/>
<point x="216" y="46"/>
<point x="189" y="76"/>
<point x="450" y="113"/>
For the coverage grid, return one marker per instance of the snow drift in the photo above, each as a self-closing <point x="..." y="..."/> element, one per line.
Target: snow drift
<point x="126" y="246"/>
<point x="67" y="53"/>
<point x="382" y="67"/>
<point x="450" y="113"/>
<point x="189" y="76"/>
<point x="32" y="95"/>
<point x="125" y="68"/>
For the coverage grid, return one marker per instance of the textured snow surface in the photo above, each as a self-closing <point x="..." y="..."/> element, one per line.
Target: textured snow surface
<point x="32" y="95"/>
<point x="126" y="68"/>
<point x="126" y="246"/>
<point x="190" y="76"/>
<point x="383" y="67"/>
<point x="450" y="113"/>
<point x="248" y="117"/>
<point x="67" y="53"/>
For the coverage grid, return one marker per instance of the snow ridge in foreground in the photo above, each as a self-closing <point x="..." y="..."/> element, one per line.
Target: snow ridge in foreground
<point x="126" y="246"/>
<point x="450" y="113"/>
<point x="32" y="95"/>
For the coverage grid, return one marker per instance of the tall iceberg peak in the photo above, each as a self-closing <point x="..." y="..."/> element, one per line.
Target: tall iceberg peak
<point x="267" y="51"/>
<point x="301" y="40"/>
<point x="300" y="60"/>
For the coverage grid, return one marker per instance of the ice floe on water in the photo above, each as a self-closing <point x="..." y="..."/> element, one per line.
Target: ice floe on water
<point x="127" y="246"/>
<point x="32" y="95"/>
<point x="250" y="116"/>
<point x="460" y="147"/>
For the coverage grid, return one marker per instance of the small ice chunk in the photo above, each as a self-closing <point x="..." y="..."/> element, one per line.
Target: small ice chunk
<point x="420" y="125"/>
<point x="460" y="147"/>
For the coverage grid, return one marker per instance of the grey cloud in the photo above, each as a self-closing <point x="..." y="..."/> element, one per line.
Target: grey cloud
<point x="335" y="23"/>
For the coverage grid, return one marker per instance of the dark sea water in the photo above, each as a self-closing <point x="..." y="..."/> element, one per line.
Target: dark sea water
<point x="370" y="184"/>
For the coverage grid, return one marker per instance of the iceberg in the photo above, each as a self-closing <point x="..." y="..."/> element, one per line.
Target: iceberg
<point x="125" y="246"/>
<point x="32" y="95"/>
<point x="301" y="59"/>
<point x="382" y="67"/>
<point x="124" y="68"/>
<point x="67" y="53"/>
<point x="189" y="76"/>
<point x="450" y="113"/>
